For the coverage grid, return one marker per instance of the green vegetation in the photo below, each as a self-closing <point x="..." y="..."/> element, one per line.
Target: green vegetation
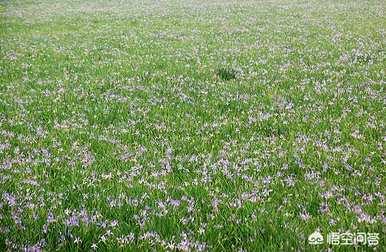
<point x="191" y="125"/>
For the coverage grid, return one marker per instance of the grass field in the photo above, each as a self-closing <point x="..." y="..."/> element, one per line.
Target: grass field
<point x="191" y="125"/>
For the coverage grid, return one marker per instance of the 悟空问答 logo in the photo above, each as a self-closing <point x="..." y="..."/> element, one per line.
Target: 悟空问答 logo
<point x="315" y="238"/>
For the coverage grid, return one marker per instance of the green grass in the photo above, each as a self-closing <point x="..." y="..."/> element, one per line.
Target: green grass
<point x="191" y="125"/>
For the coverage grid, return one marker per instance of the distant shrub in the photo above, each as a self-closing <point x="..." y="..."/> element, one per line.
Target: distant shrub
<point x="226" y="74"/>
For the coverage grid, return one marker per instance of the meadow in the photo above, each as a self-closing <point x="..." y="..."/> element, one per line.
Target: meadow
<point x="169" y="125"/>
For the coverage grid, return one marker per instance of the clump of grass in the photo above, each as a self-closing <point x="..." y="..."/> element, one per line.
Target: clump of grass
<point x="226" y="74"/>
